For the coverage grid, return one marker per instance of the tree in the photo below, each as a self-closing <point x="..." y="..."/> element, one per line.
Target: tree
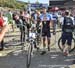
<point x="12" y="4"/>
<point x="37" y="1"/>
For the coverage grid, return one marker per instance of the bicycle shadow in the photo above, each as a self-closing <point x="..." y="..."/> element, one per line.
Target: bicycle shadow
<point x="52" y="60"/>
<point x="17" y="58"/>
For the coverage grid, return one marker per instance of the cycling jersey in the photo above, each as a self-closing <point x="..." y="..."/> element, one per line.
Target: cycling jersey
<point x="46" y="18"/>
<point x="54" y="17"/>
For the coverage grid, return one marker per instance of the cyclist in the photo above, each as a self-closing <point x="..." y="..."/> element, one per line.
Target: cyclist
<point x="46" y="18"/>
<point x="19" y="24"/>
<point x="36" y="19"/>
<point x="38" y="22"/>
<point x="67" y="29"/>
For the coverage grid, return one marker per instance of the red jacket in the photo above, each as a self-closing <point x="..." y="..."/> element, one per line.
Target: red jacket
<point x="1" y="21"/>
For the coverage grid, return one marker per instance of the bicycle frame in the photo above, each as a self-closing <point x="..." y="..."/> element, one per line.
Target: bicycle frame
<point x="30" y="48"/>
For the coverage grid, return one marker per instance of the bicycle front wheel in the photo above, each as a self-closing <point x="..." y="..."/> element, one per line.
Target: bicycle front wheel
<point x="29" y="56"/>
<point x="72" y="46"/>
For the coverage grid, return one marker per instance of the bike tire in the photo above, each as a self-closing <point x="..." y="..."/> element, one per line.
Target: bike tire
<point x="29" y="56"/>
<point x="60" y="45"/>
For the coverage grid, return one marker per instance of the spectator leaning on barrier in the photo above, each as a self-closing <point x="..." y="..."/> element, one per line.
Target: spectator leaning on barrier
<point x="19" y="24"/>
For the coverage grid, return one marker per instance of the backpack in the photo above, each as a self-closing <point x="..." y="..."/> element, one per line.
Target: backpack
<point x="67" y="25"/>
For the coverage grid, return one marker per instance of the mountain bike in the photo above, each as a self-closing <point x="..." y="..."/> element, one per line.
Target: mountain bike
<point x="32" y="44"/>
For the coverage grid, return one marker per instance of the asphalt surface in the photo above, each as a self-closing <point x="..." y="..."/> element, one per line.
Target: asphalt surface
<point x="16" y="56"/>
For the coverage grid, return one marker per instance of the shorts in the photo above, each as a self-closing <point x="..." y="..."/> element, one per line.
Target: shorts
<point x="67" y="37"/>
<point x="46" y="33"/>
<point x="28" y="26"/>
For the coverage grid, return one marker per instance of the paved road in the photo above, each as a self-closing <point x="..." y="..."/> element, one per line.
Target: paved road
<point x="15" y="57"/>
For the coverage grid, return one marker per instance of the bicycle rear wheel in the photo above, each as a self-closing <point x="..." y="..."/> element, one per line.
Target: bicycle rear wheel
<point x="29" y="56"/>
<point x="72" y="46"/>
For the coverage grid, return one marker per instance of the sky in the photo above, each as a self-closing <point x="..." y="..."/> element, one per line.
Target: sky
<point x="33" y="1"/>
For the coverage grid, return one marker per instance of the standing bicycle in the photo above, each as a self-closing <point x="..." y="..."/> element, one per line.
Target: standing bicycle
<point x="32" y="43"/>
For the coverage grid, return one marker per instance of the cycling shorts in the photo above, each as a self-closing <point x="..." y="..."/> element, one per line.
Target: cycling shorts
<point x="67" y="37"/>
<point x="46" y="32"/>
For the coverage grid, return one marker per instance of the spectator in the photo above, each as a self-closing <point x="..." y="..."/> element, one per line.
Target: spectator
<point x="3" y="29"/>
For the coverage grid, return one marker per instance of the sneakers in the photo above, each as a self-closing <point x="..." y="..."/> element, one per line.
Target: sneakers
<point x="1" y="49"/>
<point x="43" y="52"/>
<point x="48" y="48"/>
<point x="65" y="52"/>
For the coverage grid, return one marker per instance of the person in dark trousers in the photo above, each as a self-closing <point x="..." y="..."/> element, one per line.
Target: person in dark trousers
<point x="23" y="24"/>
<point x="20" y="25"/>
<point x="27" y="18"/>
